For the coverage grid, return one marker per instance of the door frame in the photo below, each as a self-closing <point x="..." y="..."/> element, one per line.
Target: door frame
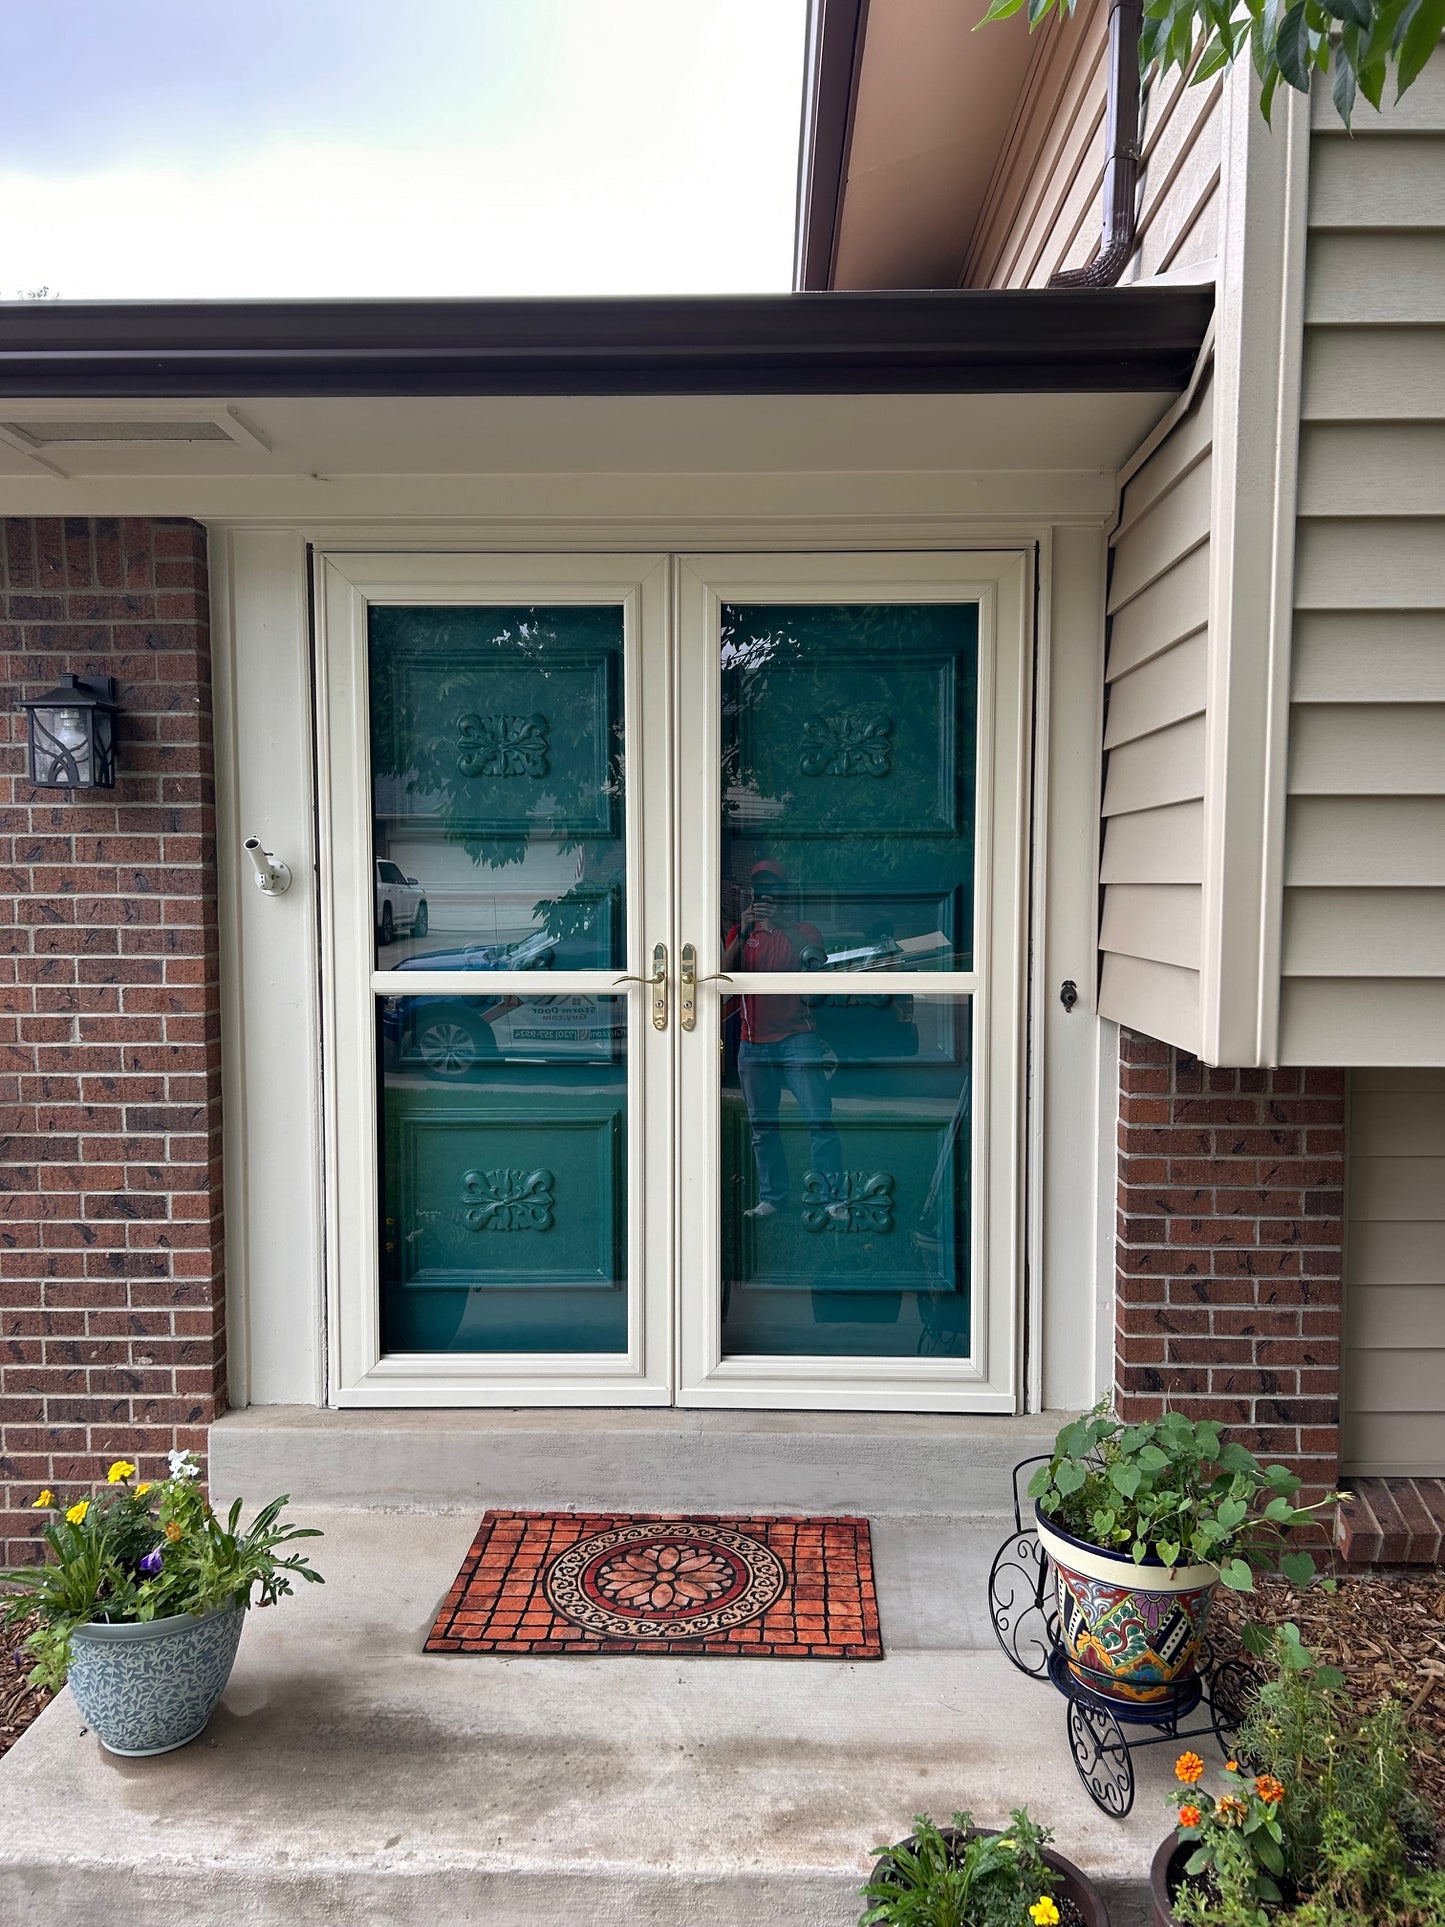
<point x="360" y="1373"/>
<point x="1001" y="583"/>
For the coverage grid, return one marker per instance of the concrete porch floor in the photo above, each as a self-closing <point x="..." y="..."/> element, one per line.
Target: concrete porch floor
<point x="349" y="1778"/>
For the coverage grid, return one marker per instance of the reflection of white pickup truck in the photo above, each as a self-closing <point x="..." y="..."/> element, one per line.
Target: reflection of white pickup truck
<point x="400" y="903"/>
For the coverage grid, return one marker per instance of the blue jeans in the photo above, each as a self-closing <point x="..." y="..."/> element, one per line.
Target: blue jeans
<point x="764" y="1071"/>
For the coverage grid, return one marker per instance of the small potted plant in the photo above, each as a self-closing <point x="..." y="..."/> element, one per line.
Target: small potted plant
<point x="1141" y="1522"/>
<point x="968" y="1876"/>
<point x="1316" y="1823"/>
<point x="142" y="1603"/>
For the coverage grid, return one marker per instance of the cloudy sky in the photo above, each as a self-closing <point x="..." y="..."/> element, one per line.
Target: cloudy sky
<point x="172" y="148"/>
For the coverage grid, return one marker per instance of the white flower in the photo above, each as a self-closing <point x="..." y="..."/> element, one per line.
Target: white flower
<point x="184" y="1465"/>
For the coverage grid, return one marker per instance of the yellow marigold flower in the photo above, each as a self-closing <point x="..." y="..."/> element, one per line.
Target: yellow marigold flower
<point x="1189" y="1768"/>
<point x="1231" y="1766"/>
<point x="46" y="1498"/>
<point x="1231" y="1809"/>
<point x="1189" y="1816"/>
<point x="173" y="1531"/>
<point x="141" y="1490"/>
<point x="1269" y="1789"/>
<point x="77" y="1512"/>
<point x="122" y="1469"/>
<point x="1044" y="1913"/>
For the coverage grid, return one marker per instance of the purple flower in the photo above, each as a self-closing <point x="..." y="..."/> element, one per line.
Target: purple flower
<point x="151" y="1564"/>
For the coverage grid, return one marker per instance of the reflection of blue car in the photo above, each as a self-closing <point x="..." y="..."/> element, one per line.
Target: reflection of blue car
<point x="447" y="1036"/>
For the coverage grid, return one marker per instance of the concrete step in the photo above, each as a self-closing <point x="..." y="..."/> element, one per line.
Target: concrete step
<point x="638" y="1460"/>
<point x="350" y="1778"/>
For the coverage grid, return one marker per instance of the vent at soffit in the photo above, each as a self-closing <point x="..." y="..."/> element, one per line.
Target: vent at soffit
<point x="41" y="434"/>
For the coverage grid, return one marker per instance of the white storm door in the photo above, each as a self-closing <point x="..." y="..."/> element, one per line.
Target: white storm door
<point x="495" y="751"/>
<point x="852" y="752"/>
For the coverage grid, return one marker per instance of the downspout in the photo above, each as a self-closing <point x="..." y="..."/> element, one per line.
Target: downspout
<point x="1121" y="152"/>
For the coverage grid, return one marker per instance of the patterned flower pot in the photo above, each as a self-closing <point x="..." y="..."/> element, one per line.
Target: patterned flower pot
<point x="1131" y="1633"/>
<point x="150" y="1688"/>
<point x="1076" y="1887"/>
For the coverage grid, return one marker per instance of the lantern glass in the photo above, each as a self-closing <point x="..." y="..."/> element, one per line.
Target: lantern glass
<point x="72" y="736"/>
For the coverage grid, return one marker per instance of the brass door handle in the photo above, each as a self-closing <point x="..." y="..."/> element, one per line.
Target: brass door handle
<point x="658" y="983"/>
<point x="688" y="981"/>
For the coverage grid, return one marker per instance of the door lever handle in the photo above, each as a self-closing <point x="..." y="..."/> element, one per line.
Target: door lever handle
<point x="658" y="983"/>
<point x="688" y="981"/>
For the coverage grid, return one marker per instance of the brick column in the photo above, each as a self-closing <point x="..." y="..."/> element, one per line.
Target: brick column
<point x="1230" y="1247"/>
<point x="111" y="1267"/>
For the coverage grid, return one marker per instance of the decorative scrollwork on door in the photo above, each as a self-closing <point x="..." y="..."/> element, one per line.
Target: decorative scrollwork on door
<point x="508" y="1200"/>
<point x="848" y="1201"/>
<point x="855" y="743"/>
<point x="502" y="745"/>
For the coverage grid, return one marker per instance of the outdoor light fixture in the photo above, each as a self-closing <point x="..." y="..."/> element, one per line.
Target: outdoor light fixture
<point x="72" y="735"/>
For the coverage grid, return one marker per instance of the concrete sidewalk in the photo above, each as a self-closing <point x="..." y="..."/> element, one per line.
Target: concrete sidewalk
<point x="349" y="1778"/>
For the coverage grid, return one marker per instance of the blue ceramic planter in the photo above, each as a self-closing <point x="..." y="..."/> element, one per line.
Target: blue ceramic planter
<point x="150" y="1688"/>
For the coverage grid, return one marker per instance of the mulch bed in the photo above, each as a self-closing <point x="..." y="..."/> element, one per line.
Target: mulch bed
<point x="19" y="1700"/>
<point x="1385" y="1630"/>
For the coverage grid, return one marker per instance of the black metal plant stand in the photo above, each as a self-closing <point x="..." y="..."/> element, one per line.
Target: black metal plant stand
<point x="1103" y="1733"/>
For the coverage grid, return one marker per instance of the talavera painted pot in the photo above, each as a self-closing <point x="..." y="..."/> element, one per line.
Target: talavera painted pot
<point x="150" y="1688"/>
<point x="1130" y="1632"/>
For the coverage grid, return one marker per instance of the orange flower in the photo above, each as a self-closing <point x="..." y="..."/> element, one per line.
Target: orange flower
<point x="1189" y="1768"/>
<point x="1231" y="1766"/>
<point x="173" y="1531"/>
<point x="1189" y="1816"/>
<point x="1269" y="1789"/>
<point x="1231" y="1810"/>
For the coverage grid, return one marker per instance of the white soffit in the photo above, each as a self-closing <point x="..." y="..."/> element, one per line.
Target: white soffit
<point x="332" y="439"/>
<point x="935" y="104"/>
<point x="65" y="437"/>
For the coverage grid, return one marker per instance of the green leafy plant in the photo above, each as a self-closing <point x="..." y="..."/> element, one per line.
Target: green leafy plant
<point x="1171" y="1488"/>
<point x="956" y="1877"/>
<point x="1319" y="1825"/>
<point x="1357" y="42"/>
<point x="145" y="1551"/>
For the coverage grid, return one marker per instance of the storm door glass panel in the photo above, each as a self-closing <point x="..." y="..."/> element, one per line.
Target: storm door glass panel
<point x="504" y="1173"/>
<point x="849" y="748"/>
<point x="497" y="788"/>
<point x="847" y="1131"/>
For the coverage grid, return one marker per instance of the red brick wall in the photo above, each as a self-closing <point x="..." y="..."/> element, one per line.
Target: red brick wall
<point x="111" y="1275"/>
<point x="1230" y="1242"/>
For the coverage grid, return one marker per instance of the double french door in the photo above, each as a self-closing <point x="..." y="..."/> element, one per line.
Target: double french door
<point x="672" y="960"/>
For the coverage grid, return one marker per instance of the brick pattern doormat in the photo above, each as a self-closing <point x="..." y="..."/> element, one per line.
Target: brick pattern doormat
<point x="675" y="1584"/>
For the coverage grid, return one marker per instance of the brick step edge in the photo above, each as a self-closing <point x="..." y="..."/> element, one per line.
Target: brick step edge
<point x="1392" y="1522"/>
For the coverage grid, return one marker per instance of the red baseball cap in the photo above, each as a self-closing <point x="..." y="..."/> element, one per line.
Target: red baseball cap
<point x="768" y="868"/>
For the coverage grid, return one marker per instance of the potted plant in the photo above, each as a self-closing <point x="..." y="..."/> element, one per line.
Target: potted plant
<point x="1316" y="1825"/>
<point x="1140" y="1523"/>
<point x="968" y="1876"/>
<point x="142" y="1604"/>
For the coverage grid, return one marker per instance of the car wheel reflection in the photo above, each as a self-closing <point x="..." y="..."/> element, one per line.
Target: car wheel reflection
<point x="450" y="1048"/>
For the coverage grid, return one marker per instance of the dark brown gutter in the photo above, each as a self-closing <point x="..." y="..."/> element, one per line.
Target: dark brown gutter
<point x="945" y="341"/>
<point x="836" y="30"/>
<point x="1121" y="154"/>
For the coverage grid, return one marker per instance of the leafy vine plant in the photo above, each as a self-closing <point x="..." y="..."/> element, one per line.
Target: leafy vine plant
<point x="1173" y="1489"/>
<point x="1357" y="42"/>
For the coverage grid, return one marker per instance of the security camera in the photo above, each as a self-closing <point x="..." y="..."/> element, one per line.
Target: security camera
<point x="273" y="878"/>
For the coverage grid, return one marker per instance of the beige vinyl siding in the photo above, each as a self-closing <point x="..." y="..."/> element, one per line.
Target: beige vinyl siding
<point x="1044" y="205"/>
<point x="1393" y="1419"/>
<point x="1363" y="941"/>
<point x="1152" y="863"/>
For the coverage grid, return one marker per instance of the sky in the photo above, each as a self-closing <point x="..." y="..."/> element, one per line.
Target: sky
<point x="189" y="149"/>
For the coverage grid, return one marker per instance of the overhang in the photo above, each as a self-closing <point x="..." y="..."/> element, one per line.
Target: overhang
<point x="948" y="341"/>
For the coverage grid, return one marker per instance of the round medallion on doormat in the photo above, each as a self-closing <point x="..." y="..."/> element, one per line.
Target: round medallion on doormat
<point x="673" y="1580"/>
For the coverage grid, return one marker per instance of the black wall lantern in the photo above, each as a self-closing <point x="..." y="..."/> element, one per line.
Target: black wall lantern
<point x="72" y="735"/>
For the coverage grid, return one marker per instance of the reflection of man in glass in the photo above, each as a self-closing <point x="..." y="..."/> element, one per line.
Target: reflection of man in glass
<point x="780" y="1049"/>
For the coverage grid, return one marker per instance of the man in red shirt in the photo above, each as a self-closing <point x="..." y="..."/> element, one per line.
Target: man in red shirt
<point x="780" y="1048"/>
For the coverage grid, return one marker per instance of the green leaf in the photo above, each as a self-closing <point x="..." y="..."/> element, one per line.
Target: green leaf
<point x="1330" y="1677"/>
<point x="1000" y="10"/>
<point x="1237" y="1576"/>
<point x="1041" y="1481"/>
<point x="1069" y="1477"/>
<point x="1152" y="1459"/>
<point x="1232" y="1514"/>
<point x="1279" y="1511"/>
<point x="1125" y="1479"/>
<point x="1292" y="48"/>
<point x="1342" y="92"/>
<point x="1168" y="1550"/>
<point x="1419" y="41"/>
<point x="1297" y="1567"/>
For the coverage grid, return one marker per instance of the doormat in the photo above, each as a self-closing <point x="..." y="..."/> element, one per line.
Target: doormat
<point x="675" y="1584"/>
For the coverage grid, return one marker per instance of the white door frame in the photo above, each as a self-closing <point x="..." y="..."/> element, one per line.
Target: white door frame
<point x="360" y="1373"/>
<point x="988" y="1379"/>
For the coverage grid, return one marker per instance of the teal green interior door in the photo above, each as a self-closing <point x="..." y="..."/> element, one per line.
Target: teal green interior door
<point x="499" y="813"/>
<point x="849" y="777"/>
